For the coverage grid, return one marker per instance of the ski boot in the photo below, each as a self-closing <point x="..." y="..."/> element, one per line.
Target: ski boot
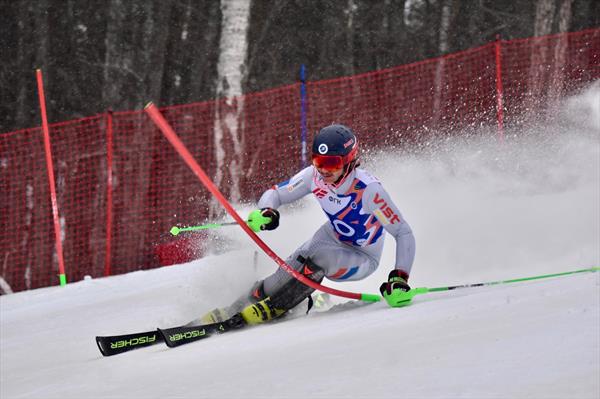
<point x="221" y="314"/>
<point x="286" y="298"/>
<point x="261" y="312"/>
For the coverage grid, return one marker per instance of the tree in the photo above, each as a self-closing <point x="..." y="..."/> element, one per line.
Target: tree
<point x="560" y="52"/>
<point x="136" y="37"/>
<point x="192" y="52"/>
<point x="547" y="20"/>
<point x="444" y="32"/>
<point x="228" y="122"/>
<point x="120" y="54"/>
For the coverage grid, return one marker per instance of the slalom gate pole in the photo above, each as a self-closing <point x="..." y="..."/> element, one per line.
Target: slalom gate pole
<point x="109" y="192"/>
<point x="176" y="230"/>
<point x="425" y="290"/>
<point x="304" y="161"/>
<point x="57" y="236"/>
<point x="170" y="134"/>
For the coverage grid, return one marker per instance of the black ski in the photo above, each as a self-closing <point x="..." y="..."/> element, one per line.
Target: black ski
<point x="173" y="337"/>
<point x="113" y="345"/>
<point x="185" y="334"/>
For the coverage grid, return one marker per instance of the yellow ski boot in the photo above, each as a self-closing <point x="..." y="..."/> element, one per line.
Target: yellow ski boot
<point x="261" y="312"/>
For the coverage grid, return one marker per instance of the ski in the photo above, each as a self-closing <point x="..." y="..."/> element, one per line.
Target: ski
<point x="115" y="344"/>
<point x="178" y="336"/>
<point x="184" y="334"/>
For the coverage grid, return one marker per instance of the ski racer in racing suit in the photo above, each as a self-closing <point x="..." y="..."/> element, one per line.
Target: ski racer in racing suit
<point x="347" y="247"/>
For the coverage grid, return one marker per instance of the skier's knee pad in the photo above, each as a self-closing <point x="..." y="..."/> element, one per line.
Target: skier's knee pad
<point x="257" y="292"/>
<point x="310" y="269"/>
<point x="293" y="292"/>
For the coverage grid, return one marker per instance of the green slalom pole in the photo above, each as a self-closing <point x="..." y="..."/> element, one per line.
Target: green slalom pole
<point x="425" y="290"/>
<point x="176" y="230"/>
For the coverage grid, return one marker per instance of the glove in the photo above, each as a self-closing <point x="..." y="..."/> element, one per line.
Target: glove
<point x="263" y="219"/>
<point x="396" y="290"/>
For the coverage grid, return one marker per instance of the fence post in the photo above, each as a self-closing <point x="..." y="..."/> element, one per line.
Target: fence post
<point x="109" y="190"/>
<point x="303" y="113"/>
<point x="499" y="90"/>
<point x="48" y="150"/>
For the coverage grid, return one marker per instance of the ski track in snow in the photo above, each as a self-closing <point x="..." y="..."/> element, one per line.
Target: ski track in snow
<point x="480" y="212"/>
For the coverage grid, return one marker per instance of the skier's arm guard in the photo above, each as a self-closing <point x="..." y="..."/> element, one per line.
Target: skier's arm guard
<point x="287" y="191"/>
<point x="377" y="201"/>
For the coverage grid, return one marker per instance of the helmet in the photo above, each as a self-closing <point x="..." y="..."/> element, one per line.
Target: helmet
<point x="335" y="147"/>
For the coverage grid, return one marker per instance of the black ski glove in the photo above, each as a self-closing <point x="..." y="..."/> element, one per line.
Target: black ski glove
<point x="396" y="290"/>
<point x="274" y="215"/>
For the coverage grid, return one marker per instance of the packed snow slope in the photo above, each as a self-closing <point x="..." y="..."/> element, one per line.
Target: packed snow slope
<point x="480" y="210"/>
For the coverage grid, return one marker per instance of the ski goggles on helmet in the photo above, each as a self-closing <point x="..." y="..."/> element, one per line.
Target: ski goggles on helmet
<point x="328" y="162"/>
<point x="333" y="162"/>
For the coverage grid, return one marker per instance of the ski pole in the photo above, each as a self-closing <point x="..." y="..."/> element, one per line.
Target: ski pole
<point x="176" y="230"/>
<point x="425" y="290"/>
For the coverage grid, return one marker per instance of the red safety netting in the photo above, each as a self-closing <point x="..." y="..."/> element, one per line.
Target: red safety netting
<point x="538" y="71"/>
<point x="116" y="219"/>
<point x="408" y="103"/>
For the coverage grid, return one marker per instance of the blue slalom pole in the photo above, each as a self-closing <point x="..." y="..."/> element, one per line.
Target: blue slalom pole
<point x="304" y="162"/>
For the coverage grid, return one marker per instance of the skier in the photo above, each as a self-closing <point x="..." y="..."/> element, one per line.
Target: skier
<point x="348" y="247"/>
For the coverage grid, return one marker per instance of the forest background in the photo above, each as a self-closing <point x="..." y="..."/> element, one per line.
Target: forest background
<point x="117" y="55"/>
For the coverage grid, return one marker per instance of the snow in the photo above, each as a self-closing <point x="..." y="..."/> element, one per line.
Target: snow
<point x="480" y="212"/>
<point x="537" y="340"/>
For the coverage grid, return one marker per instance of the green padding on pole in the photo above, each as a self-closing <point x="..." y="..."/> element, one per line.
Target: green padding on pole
<point x="420" y="290"/>
<point x="370" y="297"/>
<point x="63" y="279"/>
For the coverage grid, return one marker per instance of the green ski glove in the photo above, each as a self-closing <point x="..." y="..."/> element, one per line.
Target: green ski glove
<point x="396" y="290"/>
<point x="263" y="219"/>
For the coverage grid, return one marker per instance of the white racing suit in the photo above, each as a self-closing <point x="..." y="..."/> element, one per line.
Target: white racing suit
<point x="349" y="246"/>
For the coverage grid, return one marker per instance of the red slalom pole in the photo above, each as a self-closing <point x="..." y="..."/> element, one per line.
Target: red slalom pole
<point x="48" y="150"/>
<point x="170" y="134"/>
<point x="109" y="192"/>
